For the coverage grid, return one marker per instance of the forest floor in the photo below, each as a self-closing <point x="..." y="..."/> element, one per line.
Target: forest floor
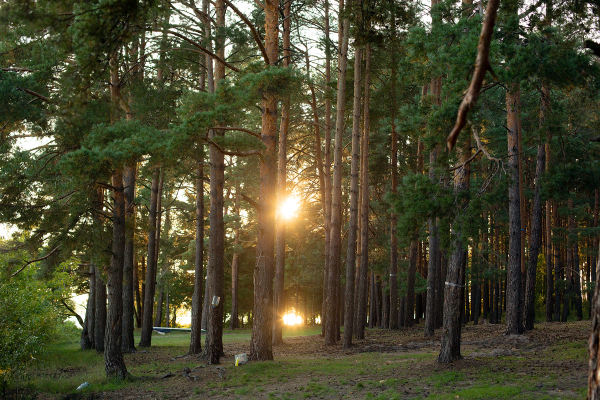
<point x="546" y="363"/>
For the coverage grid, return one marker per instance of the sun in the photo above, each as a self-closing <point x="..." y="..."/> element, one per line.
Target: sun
<point x="289" y="208"/>
<point x="292" y="319"/>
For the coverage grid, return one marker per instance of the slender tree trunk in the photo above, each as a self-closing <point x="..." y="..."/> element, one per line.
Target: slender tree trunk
<point x="128" y="267"/>
<point x="195" y="339"/>
<point x="433" y="262"/>
<point x="261" y="346"/>
<point x="535" y="242"/>
<point x="235" y="270"/>
<point x="393" y="324"/>
<point x="364" y="183"/>
<point x="352" y="229"/>
<point x="114" y="364"/>
<point x="281" y="186"/>
<point x="100" y="317"/>
<point x="372" y="301"/>
<point x="335" y="245"/>
<point x="544" y="109"/>
<point x="146" y="335"/>
<point x="137" y="294"/>
<point x="87" y="334"/>
<point x="215" y="269"/>
<point x="514" y="323"/>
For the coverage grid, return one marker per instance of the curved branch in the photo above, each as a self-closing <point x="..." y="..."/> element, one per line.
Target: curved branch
<point x="36" y="94"/>
<point x="36" y="260"/>
<point x="250" y="25"/>
<point x="233" y="153"/>
<point x="236" y="128"/>
<point x="482" y="66"/>
<point x="205" y="50"/>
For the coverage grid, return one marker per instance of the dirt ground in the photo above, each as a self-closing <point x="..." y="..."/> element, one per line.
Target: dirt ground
<point x="527" y="357"/>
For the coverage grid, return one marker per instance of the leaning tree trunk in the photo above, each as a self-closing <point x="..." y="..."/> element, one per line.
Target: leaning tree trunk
<point x="100" y="317"/>
<point x="261" y="346"/>
<point x="352" y="228"/>
<point x="535" y="242"/>
<point x="514" y="323"/>
<point x="114" y="364"/>
<point x="146" y="335"/>
<point x="128" y="306"/>
<point x="335" y="240"/>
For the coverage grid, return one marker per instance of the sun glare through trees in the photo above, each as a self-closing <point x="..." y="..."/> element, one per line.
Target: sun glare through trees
<point x="369" y="173"/>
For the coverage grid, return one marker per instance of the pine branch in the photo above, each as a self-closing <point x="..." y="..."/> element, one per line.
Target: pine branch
<point x="36" y="260"/>
<point x="205" y="50"/>
<point x="250" y="25"/>
<point x="236" y="128"/>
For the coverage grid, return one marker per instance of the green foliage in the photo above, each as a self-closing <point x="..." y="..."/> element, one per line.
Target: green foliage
<point x="28" y="323"/>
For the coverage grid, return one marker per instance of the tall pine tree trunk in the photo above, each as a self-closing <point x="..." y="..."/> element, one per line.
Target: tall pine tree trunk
<point x="114" y="364"/>
<point x="514" y="324"/>
<point x="261" y="347"/>
<point x="352" y="229"/>
<point x="335" y="245"/>
<point x="128" y="276"/>
<point x="451" y="330"/>
<point x="195" y="339"/>
<point x="215" y="269"/>
<point x="281" y="186"/>
<point x="544" y="109"/>
<point x="535" y="242"/>
<point x="361" y="312"/>
<point x="146" y="334"/>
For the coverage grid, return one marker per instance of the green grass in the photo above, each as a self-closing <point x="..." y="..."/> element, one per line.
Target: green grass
<point x="368" y="375"/>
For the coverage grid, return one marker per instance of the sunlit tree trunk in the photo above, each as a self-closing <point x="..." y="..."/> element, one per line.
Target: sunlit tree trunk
<point x="261" y="347"/>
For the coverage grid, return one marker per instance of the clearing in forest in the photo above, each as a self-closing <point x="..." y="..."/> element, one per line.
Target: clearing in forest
<point x="546" y="363"/>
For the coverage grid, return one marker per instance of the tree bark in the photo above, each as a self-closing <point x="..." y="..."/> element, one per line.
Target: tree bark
<point x="146" y="334"/>
<point x="451" y="331"/>
<point x="353" y="224"/>
<point x="433" y="261"/>
<point x="87" y="333"/>
<point x="364" y="183"/>
<point x="544" y="108"/>
<point x="215" y="269"/>
<point x="514" y="324"/>
<point x="233" y="324"/>
<point x="261" y="346"/>
<point x="100" y="317"/>
<point x="594" y="344"/>
<point x="195" y="339"/>
<point x="335" y="244"/>
<point x="281" y="186"/>
<point x="114" y="365"/>
<point x="128" y="267"/>
<point x="136" y="288"/>
<point x="535" y="241"/>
